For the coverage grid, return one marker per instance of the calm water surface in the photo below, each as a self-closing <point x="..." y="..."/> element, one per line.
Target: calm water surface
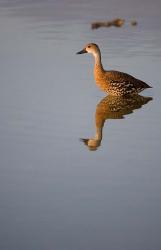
<point x="55" y="191"/>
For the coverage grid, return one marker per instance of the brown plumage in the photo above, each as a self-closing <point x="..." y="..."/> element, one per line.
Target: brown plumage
<point x="113" y="107"/>
<point x="118" y="22"/>
<point x="113" y="82"/>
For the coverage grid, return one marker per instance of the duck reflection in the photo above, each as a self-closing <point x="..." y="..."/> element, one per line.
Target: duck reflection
<point x="113" y="107"/>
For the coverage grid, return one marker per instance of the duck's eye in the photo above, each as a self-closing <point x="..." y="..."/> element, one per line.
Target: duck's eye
<point x="89" y="46"/>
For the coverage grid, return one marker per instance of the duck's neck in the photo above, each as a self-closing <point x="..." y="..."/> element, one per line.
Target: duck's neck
<point x="98" y="134"/>
<point x="99" y="123"/>
<point x="98" y="63"/>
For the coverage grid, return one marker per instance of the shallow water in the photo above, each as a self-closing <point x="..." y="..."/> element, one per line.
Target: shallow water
<point x="56" y="192"/>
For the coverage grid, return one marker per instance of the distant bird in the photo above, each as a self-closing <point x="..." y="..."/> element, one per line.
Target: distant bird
<point x="116" y="22"/>
<point x="134" y="23"/>
<point x="113" y="82"/>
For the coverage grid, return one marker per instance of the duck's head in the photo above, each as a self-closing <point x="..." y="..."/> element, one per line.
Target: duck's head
<point x="92" y="143"/>
<point x="90" y="48"/>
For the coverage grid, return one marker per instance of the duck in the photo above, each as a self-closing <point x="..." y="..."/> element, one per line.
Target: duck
<point x="134" y="22"/>
<point x="119" y="22"/>
<point x="113" y="82"/>
<point x="113" y="107"/>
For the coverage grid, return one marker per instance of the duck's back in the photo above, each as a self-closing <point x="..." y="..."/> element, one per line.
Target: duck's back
<point x="120" y="83"/>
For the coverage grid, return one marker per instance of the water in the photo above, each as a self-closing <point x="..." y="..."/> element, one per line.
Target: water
<point x="55" y="191"/>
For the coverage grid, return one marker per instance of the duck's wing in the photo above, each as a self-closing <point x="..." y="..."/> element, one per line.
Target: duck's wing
<point x="124" y="80"/>
<point x="115" y="107"/>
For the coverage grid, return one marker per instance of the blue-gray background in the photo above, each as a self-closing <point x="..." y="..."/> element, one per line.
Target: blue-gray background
<point x="54" y="192"/>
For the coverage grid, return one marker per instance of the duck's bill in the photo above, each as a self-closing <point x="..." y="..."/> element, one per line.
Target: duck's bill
<point x="81" y="52"/>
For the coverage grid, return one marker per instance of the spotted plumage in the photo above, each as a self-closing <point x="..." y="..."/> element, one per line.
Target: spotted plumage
<point x="113" y="107"/>
<point x="113" y="82"/>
